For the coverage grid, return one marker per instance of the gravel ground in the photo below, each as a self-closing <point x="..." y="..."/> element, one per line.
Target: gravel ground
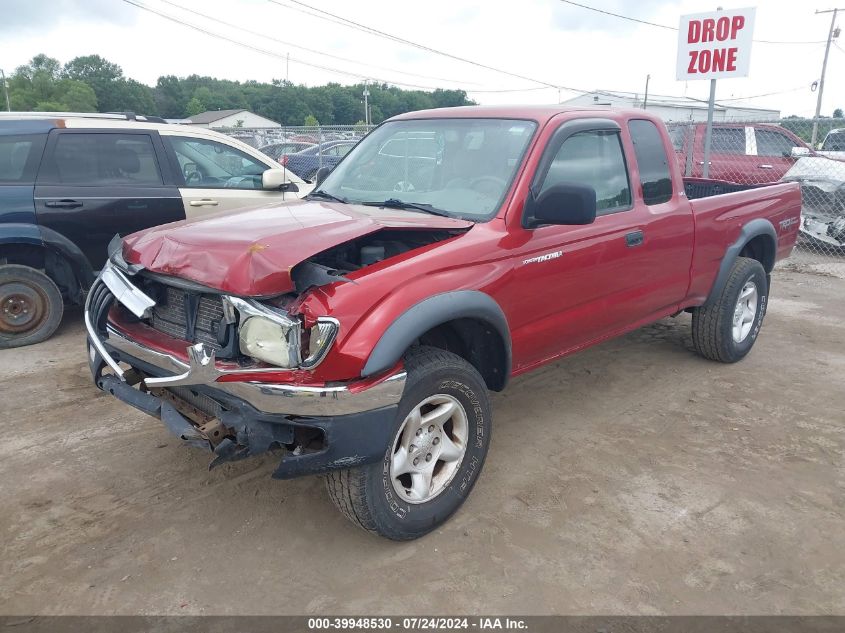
<point x="633" y="478"/>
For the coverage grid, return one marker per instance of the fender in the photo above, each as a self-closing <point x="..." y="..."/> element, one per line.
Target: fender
<point x="34" y="235"/>
<point x="755" y="228"/>
<point x="429" y="313"/>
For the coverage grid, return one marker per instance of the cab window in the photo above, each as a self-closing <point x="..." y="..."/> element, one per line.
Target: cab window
<point x="652" y="161"/>
<point x="774" y="143"/>
<point x="595" y="159"/>
<point x="207" y="164"/>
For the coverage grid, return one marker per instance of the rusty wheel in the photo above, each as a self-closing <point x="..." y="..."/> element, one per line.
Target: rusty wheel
<point x="30" y="306"/>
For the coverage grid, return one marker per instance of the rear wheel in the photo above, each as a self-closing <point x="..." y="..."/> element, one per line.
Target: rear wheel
<point x="435" y="457"/>
<point x="30" y="306"/>
<point x="726" y="329"/>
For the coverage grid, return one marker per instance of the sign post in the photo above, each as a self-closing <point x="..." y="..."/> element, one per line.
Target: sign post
<point x="715" y="45"/>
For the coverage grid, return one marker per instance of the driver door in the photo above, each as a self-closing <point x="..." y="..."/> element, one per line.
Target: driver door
<point x="218" y="177"/>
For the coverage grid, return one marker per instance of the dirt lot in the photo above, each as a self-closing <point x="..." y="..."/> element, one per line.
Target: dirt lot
<point x="632" y="478"/>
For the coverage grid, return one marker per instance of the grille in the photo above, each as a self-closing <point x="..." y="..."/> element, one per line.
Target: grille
<point x="173" y="308"/>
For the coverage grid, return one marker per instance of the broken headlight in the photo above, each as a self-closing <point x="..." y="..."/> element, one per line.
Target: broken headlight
<point x="264" y="333"/>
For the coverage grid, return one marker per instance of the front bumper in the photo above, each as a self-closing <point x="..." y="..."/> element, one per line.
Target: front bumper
<point x="322" y="427"/>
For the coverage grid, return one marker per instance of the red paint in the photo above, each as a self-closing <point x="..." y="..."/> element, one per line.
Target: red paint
<point x="597" y="288"/>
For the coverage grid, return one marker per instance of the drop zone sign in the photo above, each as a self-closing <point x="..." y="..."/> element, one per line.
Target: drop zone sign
<point x="715" y="45"/>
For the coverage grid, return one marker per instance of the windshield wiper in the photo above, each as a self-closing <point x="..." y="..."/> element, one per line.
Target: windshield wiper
<point x="395" y="203"/>
<point x="325" y="195"/>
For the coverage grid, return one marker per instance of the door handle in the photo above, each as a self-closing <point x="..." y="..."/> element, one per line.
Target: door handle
<point x="63" y="204"/>
<point x="634" y="238"/>
<point x="205" y="202"/>
<point x="765" y="166"/>
<point x="709" y="162"/>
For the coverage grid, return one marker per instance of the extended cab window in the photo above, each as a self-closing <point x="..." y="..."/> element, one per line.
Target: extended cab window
<point x="651" y="161"/>
<point x="208" y="164"/>
<point x="594" y="159"/>
<point x="103" y="159"/>
<point x="774" y="143"/>
<point x="19" y="157"/>
<point x="728" y="140"/>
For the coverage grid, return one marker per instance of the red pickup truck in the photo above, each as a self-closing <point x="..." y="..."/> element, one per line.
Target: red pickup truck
<point x="358" y="331"/>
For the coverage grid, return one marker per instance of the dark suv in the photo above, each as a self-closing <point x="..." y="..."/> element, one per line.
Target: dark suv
<point x="70" y="183"/>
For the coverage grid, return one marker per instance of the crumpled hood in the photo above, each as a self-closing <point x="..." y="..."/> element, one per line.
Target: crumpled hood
<point x="251" y="253"/>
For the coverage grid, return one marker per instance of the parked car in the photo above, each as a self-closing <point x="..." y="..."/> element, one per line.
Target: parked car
<point x="744" y="153"/>
<point x="277" y="150"/>
<point x="306" y="163"/>
<point x="69" y="183"/>
<point x="833" y="145"/>
<point x="359" y="331"/>
<point x="823" y="191"/>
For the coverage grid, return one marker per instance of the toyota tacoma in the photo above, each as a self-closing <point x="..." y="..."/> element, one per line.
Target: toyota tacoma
<point x="358" y="331"/>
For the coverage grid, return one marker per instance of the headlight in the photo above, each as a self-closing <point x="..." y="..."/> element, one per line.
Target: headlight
<point x="264" y="333"/>
<point x="269" y="340"/>
<point x="320" y="339"/>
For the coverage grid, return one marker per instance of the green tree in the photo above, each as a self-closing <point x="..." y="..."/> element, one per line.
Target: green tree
<point x="77" y="96"/>
<point x="194" y="107"/>
<point x="311" y="121"/>
<point x="837" y="114"/>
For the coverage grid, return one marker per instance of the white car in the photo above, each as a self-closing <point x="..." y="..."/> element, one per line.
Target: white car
<point x="833" y="145"/>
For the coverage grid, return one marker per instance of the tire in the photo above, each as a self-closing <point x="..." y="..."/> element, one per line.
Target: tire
<point x="373" y="499"/>
<point x="31" y="306"/>
<point x="715" y="333"/>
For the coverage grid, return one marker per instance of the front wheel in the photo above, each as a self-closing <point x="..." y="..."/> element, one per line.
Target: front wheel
<point x="725" y="330"/>
<point x="435" y="457"/>
<point x="30" y="306"/>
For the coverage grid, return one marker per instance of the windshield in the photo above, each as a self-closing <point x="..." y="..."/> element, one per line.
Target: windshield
<point x="462" y="167"/>
<point x="835" y="142"/>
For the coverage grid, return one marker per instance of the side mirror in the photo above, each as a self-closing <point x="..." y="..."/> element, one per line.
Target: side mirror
<point x="277" y="179"/>
<point x="799" y="152"/>
<point x="321" y="175"/>
<point x="563" y="204"/>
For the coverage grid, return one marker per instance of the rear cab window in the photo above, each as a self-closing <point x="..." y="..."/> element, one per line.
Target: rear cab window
<point x="652" y="161"/>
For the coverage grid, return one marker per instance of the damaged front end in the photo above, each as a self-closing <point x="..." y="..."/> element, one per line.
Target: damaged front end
<point x="235" y="407"/>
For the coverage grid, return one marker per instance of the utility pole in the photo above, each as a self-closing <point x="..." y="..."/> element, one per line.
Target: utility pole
<point x="366" y="94"/>
<point x="645" y="98"/>
<point x="5" y="89"/>
<point x="287" y="70"/>
<point x="830" y="37"/>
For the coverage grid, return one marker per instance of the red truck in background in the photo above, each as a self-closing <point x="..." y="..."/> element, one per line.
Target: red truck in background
<point x="359" y="330"/>
<point x="746" y="153"/>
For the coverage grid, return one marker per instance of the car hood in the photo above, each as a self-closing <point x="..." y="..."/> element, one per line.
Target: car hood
<point x="824" y="173"/>
<point x="251" y="253"/>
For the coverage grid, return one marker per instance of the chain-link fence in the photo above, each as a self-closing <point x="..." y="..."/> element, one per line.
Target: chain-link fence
<point x="302" y="149"/>
<point x="753" y="153"/>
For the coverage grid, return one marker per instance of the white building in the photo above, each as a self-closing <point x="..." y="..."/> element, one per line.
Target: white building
<point x="674" y="108"/>
<point x="230" y="118"/>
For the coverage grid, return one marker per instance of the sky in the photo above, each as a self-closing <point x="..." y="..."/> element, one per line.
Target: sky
<point x="526" y="45"/>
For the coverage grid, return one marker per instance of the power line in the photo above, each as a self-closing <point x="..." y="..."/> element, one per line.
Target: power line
<point x="767" y="94"/>
<point x="337" y="19"/>
<point x="310" y="50"/>
<point x="271" y="53"/>
<point x="666" y="26"/>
